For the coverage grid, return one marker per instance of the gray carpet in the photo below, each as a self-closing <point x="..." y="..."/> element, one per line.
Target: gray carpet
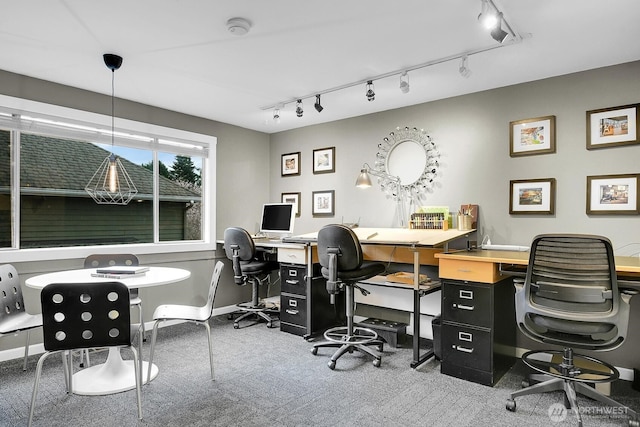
<point x="265" y="377"/>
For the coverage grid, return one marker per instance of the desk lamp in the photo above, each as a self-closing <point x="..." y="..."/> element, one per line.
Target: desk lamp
<point x="364" y="181"/>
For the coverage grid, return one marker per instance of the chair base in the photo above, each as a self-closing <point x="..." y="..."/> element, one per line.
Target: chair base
<point x="259" y="312"/>
<point x="567" y="377"/>
<point x="350" y="339"/>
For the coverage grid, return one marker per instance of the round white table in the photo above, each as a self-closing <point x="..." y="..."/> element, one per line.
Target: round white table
<point x="115" y="374"/>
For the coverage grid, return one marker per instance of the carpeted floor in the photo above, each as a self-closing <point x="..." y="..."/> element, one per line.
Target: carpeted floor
<point x="265" y="377"/>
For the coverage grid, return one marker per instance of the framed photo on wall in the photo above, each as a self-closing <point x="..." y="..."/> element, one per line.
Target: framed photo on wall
<point x="291" y="164"/>
<point x="532" y="196"/>
<point x="613" y="194"/>
<point x="532" y="136"/>
<point x="323" y="203"/>
<point x="613" y="127"/>
<point x="293" y="198"/>
<point x="324" y="160"/>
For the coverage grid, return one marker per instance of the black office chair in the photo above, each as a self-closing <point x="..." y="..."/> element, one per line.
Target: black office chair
<point x="340" y="256"/>
<point x="570" y="298"/>
<point x="80" y="316"/>
<point x="249" y="268"/>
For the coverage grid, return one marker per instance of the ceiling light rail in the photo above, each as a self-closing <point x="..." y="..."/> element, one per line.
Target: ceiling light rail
<point x="280" y="105"/>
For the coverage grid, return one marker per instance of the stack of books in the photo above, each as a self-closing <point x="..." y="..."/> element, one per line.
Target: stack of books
<point x="120" y="272"/>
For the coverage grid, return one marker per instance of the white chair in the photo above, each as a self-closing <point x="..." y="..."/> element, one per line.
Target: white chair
<point x="13" y="317"/>
<point x="198" y="315"/>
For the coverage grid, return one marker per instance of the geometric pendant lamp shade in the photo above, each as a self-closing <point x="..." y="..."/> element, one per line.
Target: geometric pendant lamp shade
<point x="111" y="184"/>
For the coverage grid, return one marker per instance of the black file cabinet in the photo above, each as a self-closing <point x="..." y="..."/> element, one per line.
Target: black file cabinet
<point x="476" y="319"/>
<point x="305" y="308"/>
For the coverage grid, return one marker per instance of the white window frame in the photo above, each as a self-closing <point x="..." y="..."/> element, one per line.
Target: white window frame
<point x="208" y="186"/>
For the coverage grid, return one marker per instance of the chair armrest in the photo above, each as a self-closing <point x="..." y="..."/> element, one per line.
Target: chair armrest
<point x="518" y="283"/>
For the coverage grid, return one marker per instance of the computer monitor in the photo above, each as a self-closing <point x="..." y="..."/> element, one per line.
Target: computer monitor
<point x="277" y="219"/>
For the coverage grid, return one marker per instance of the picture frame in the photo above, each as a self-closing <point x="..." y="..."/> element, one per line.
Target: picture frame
<point x="532" y="196"/>
<point x="532" y="136"/>
<point x="324" y="160"/>
<point x="293" y="198"/>
<point x="290" y="165"/>
<point x="613" y="194"/>
<point x="323" y="203"/>
<point x="613" y="127"/>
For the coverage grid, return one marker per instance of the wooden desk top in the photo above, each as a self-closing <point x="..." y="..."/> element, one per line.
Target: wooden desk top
<point x="624" y="264"/>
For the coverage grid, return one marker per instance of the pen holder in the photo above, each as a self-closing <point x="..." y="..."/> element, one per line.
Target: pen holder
<point x="464" y="222"/>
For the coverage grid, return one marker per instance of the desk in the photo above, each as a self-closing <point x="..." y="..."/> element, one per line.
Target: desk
<point x="115" y="375"/>
<point x="402" y="245"/>
<point x="478" y="310"/>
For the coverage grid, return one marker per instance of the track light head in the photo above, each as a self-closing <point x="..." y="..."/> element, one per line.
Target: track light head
<point x="299" y="110"/>
<point x="317" y="105"/>
<point x="464" y="69"/>
<point x="371" y="95"/>
<point x="276" y="115"/>
<point x="488" y="17"/>
<point x="404" y="82"/>
<point x="497" y="32"/>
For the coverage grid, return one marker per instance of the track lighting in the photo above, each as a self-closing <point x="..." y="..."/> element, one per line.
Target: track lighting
<point x="488" y="15"/>
<point x="371" y="95"/>
<point x="464" y="69"/>
<point x="317" y="105"/>
<point x="404" y="82"/>
<point x="276" y="115"/>
<point x="299" y="110"/>
<point x="497" y="32"/>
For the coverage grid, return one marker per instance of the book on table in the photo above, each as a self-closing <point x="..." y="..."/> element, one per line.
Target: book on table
<point x="120" y="272"/>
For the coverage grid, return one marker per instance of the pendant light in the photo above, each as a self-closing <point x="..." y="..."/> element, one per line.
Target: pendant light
<point x="111" y="184"/>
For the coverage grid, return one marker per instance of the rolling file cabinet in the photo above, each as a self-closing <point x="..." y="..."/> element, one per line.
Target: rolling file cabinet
<point x="478" y="320"/>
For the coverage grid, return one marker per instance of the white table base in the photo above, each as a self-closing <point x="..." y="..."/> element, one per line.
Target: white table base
<point x="115" y="375"/>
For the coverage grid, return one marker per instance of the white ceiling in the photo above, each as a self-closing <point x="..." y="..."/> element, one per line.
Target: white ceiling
<point x="179" y="55"/>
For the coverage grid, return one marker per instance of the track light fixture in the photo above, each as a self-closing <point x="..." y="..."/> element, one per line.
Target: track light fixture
<point x="464" y="69"/>
<point x="317" y="105"/>
<point x="276" y="115"/>
<point x="497" y="32"/>
<point x="404" y="82"/>
<point x="299" y="110"/>
<point x="371" y="95"/>
<point x="492" y="19"/>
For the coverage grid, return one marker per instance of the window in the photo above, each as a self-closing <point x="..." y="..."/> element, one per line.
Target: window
<point x="46" y="162"/>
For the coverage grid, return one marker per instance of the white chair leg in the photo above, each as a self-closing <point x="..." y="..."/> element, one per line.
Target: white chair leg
<point x="208" y="328"/>
<point x="154" y="334"/>
<point x="26" y="350"/>
<point x="138" y="374"/>
<point x="35" y="386"/>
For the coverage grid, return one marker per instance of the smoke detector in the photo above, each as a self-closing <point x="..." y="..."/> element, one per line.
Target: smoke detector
<point x="238" y="26"/>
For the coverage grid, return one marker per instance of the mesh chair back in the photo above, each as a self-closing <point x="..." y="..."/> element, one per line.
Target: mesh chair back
<point x="10" y="294"/>
<point x="109" y="260"/>
<point x="570" y="296"/>
<point x="343" y="238"/>
<point x="85" y="315"/>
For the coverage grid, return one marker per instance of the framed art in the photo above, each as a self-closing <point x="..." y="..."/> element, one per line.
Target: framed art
<point x="613" y="127"/>
<point x="324" y="160"/>
<point x="291" y="164"/>
<point x="323" y="203"/>
<point x="532" y="136"/>
<point x="532" y="196"/>
<point x="293" y="198"/>
<point x="613" y="194"/>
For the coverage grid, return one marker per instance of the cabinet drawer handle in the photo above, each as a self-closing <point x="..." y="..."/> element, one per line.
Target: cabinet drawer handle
<point x="463" y="270"/>
<point x="293" y="273"/>
<point x="464" y="307"/>
<point x="465" y="336"/>
<point x="292" y="282"/>
<point x="463" y="349"/>
<point x="293" y="303"/>
<point x="466" y="294"/>
<point x="294" y="312"/>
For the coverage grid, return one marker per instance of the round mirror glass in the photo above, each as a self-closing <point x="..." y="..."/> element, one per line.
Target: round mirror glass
<point x="407" y="160"/>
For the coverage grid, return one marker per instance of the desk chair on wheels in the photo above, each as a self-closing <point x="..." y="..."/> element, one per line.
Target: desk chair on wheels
<point x="340" y="256"/>
<point x="570" y="298"/>
<point x="249" y="268"/>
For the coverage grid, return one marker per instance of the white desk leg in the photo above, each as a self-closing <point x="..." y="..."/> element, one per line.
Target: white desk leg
<point x="113" y="376"/>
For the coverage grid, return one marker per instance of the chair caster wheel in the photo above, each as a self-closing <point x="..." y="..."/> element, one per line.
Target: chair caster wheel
<point x="377" y="363"/>
<point x="331" y="364"/>
<point x="314" y="350"/>
<point x="511" y="405"/>
<point x="236" y="326"/>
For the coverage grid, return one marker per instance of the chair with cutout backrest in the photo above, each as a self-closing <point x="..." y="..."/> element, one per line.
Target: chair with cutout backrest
<point x="198" y="315"/>
<point x="13" y="316"/>
<point x="570" y="299"/>
<point x="78" y="316"/>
